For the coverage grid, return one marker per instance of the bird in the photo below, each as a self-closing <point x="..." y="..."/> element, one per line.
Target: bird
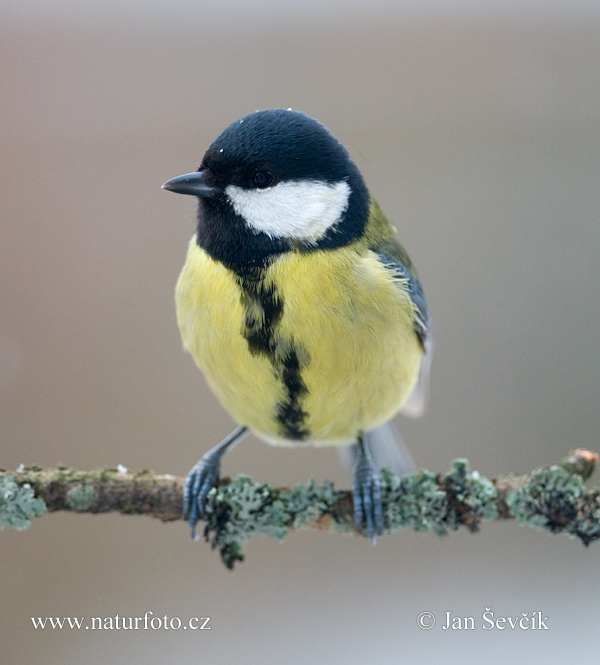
<point x="298" y="303"/>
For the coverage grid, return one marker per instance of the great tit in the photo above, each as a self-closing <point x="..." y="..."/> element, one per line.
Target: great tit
<point x="297" y="301"/>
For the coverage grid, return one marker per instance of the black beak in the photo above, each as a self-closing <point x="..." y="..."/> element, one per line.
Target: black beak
<point x="191" y="183"/>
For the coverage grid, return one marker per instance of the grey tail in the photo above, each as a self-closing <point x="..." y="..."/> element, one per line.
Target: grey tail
<point x="386" y="447"/>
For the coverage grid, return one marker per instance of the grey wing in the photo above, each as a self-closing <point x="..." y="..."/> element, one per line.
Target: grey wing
<point x="417" y="400"/>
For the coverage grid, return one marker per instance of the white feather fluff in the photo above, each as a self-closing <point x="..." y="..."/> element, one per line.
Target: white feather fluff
<point x="293" y="209"/>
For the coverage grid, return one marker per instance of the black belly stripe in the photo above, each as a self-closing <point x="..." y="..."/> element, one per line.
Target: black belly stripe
<point x="290" y="415"/>
<point x="264" y="309"/>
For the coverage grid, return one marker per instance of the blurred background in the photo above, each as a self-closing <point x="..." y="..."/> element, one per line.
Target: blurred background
<point x="477" y="127"/>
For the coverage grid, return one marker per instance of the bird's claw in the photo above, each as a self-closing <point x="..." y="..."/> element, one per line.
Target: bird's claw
<point x="366" y="495"/>
<point x="203" y="477"/>
<point x="200" y="480"/>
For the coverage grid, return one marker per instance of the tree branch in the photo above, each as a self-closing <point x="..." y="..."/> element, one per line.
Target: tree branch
<point x="553" y="498"/>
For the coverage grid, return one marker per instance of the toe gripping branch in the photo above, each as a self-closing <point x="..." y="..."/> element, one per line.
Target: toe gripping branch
<point x="366" y="493"/>
<point x="203" y="477"/>
<point x="366" y="490"/>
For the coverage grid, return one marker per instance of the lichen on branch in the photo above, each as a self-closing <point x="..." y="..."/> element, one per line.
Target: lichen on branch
<point x="552" y="498"/>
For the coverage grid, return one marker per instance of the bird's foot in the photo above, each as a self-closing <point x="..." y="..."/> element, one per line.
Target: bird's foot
<point x="366" y="494"/>
<point x="203" y="477"/>
<point x="200" y="480"/>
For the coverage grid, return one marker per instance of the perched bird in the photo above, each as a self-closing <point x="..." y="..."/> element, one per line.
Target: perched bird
<point x="297" y="301"/>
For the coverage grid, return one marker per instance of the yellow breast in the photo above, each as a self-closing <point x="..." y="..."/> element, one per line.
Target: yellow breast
<point x="322" y="350"/>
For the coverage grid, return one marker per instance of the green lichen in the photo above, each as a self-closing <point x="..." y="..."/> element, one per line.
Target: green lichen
<point x="308" y="504"/>
<point x="470" y="492"/>
<point x="552" y="498"/>
<point x="243" y="508"/>
<point x="81" y="496"/>
<point x="421" y="500"/>
<point x="18" y="505"/>
<point x="555" y="500"/>
<point x="239" y="510"/>
<point x="414" y="501"/>
<point x="424" y="501"/>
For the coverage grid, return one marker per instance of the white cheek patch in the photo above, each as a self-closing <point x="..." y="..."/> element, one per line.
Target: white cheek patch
<point x="294" y="209"/>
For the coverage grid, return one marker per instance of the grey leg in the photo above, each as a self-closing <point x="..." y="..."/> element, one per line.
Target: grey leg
<point x="366" y="493"/>
<point x="203" y="477"/>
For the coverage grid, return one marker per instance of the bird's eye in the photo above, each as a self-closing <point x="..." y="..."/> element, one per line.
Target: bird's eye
<point x="262" y="179"/>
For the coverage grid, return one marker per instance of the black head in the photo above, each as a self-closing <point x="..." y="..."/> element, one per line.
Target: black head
<point x="271" y="181"/>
